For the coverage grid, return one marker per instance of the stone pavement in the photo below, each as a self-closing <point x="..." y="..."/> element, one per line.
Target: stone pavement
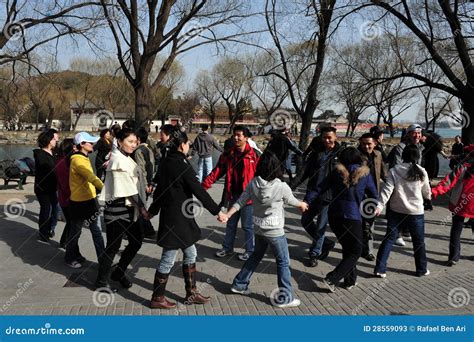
<point x="35" y="281"/>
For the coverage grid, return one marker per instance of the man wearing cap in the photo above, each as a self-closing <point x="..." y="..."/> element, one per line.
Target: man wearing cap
<point x="83" y="184"/>
<point x="413" y="136"/>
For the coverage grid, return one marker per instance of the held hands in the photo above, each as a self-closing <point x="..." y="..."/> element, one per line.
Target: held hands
<point x="149" y="189"/>
<point x="303" y="206"/>
<point x="377" y="211"/>
<point x="146" y="215"/>
<point x="223" y="218"/>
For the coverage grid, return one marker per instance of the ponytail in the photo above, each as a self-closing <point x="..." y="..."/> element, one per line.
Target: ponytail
<point x="414" y="173"/>
<point x="411" y="154"/>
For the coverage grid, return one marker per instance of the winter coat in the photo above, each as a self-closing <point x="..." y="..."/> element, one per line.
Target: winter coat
<point x="348" y="187"/>
<point x="226" y="165"/>
<point x="62" y="173"/>
<point x="461" y="201"/>
<point x="204" y="143"/>
<point x="45" y="175"/>
<point x="379" y="167"/>
<point x="268" y="199"/>
<point x="317" y="165"/>
<point x="406" y="197"/>
<point x="173" y="196"/>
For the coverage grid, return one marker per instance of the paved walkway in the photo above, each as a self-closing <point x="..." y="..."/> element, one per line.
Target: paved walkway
<point x="35" y="281"/>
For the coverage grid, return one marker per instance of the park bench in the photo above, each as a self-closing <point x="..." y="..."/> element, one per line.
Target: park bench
<point x="11" y="173"/>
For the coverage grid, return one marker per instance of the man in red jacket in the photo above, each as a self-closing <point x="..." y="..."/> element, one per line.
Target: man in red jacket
<point x="239" y="166"/>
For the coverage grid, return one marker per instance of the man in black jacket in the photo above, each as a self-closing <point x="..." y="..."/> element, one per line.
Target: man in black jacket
<point x="323" y="164"/>
<point x="280" y="144"/>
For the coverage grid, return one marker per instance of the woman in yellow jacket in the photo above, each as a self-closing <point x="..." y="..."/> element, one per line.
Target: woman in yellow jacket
<point x="83" y="183"/>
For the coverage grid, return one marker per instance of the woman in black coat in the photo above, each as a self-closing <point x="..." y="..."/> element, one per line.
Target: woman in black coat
<point x="177" y="183"/>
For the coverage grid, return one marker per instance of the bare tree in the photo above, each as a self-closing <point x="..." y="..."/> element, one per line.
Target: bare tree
<point x="29" y="25"/>
<point x="208" y="94"/>
<point x="443" y="29"/>
<point x="303" y="61"/>
<point x="230" y="80"/>
<point x="269" y="90"/>
<point x="169" y="28"/>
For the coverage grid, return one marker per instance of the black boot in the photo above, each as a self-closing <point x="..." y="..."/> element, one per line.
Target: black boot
<point x="158" y="299"/>
<point x="192" y="294"/>
<point x="105" y="268"/>
<point x="119" y="275"/>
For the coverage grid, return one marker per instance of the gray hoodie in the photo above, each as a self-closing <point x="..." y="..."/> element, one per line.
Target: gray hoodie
<point x="267" y="201"/>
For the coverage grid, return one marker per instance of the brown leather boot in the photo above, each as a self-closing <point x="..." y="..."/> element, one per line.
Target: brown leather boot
<point x="158" y="300"/>
<point x="192" y="294"/>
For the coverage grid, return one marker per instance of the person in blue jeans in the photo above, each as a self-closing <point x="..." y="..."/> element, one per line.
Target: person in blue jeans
<point x="268" y="193"/>
<point x="407" y="186"/>
<point x="203" y="145"/>
<point x="321" y="166"/>
<point x="238" y="165"/>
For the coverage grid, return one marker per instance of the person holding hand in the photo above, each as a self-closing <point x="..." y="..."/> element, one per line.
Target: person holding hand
<point x="268" y="194"/>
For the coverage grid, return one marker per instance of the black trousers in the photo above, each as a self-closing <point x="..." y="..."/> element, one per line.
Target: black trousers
<point x="115" y="231"/>
<point x="48" y="204"/>
<point x="349" y="235"/>
<point x="67" y="227"/>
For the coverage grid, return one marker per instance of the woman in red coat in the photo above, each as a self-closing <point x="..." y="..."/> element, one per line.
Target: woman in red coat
<point x="461" y="203"/>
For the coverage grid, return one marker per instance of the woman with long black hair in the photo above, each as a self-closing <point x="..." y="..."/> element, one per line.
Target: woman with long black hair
<point x="177" y="183"/>
<point x="407" y="187"/>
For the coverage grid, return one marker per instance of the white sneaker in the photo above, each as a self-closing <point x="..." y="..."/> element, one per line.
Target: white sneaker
<point x="242" y="292"/>
<point x="74" y="264"/>
<point x="380" y="275"/>
<point x="399" y="242"/>
<point x="427" y="273"/>
<point x="293" y="304"/>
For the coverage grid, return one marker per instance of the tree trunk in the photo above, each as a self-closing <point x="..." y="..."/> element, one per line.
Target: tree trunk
<point x="213" y="118"/>
<point x="468" y="120"/>
<point x="142" y="103"/>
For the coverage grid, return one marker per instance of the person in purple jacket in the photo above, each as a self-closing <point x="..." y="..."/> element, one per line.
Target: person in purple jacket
<point x="348" y="184"/>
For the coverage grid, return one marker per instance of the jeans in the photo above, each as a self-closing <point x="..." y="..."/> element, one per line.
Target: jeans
<point x="279" y="247"/>
<point x="245" y="214"/>
<point x="204" y="168"/>
<point x="318" y="230"/>
<point x="416" y="226"/>
<point x="48" y="209"/>
<point x="349" y="235"/>
<point x="75" y="229"/>
<point x="169" y="256"/>
<point x="368" y="236"/>
<point x="115" y="231"/>
<point x="455" y="237"/>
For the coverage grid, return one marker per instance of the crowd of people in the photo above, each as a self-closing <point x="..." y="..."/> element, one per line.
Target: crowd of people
<point x="136" y="178"/>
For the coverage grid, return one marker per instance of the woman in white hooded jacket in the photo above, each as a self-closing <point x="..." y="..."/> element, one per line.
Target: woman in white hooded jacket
<point x="406" y="187"/>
